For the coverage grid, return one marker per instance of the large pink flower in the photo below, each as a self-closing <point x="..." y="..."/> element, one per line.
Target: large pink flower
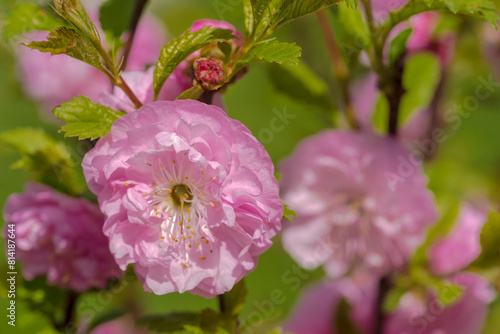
<point x="51" y="80"/>
<point x="60" y="237"/>
<point x="189" y="196"/>
<point x="360" y="202"/>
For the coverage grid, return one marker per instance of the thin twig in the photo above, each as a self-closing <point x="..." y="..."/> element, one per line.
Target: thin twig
<point x="340" y="68"/>
<point x="134" y="22"/>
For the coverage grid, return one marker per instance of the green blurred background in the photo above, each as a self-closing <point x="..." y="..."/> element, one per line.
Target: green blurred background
<point x="466" y="165"/>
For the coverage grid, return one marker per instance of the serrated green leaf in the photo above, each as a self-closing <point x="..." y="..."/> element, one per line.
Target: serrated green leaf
<point x="168" y="323"/>
<point x="483" y="9"/>
<point x="398" y="45"/>
<point x="342" y="322"/>
<point x="490" y="243"/>
<point x="48" y="160"/>
<point x="29" y="17"/>
<point x="86" y="119"/>
<point x="104" y="318"/>
<point x="421" y="77"/>
<point x="302" y="84"/>
<point x="115" y="16"/>
<point x="74" y="12"/>
<point x="69" y="42"/>
<point x="294" y="9"/>
<point x="181" y="47"/>
<point x="272" y="52"/>
<point x="288" y="213"/>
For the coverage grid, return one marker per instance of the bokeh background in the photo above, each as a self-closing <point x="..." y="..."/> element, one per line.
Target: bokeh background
<point x="467" y="163"/>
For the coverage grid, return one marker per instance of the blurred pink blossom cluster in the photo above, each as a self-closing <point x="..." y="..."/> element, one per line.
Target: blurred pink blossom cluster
<point x="416" y="313"/>
<point x="60" y="237"/>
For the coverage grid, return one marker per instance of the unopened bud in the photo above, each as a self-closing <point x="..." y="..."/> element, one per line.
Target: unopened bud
<point x="209" y="72"/>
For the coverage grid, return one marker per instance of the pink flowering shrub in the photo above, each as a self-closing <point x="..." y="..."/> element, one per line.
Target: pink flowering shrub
<point x="51" y="80"/>
<point x="353" y="207"/>
<point x="189" y="196"/>
<point x="60" y="237"/>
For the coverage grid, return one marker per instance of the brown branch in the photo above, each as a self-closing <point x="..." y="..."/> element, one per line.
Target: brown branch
<point x="134" y="22"/>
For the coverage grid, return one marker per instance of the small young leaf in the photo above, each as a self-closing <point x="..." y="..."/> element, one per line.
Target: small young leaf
<point x="192" y="93"/>
<point x="86" y="119"/>
<point x="272" y="52"/>
<point x="381" y="114"/>
<point x="288" y="213"/>
<point x="398" y="45"/>
<point x="181" y="47"/>
<point x="74" y="12"/>
<point x="69" y="42"/>
<point x="48" y="160"/>
<point x="490" y="243"/>
<point x="420" y="80"/>
<point x="115" y="16"/>
<point x="293" y="9"/>
<point x="28" y="17"/>
<point x="302" y="84"/>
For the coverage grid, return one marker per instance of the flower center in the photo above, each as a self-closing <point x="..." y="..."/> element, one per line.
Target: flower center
<point x="181" y="195"/>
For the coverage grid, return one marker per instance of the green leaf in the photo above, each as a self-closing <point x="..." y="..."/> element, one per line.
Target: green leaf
<point x="272" y="52"/>
<point x="104" y="318"/>
<point x="439" y="230"/>
<point x="492" y="323"/>
<point x="393" y="297"/>
<point x="48" y="160"/>
<point x="302" y="84"/>
<point x="352" y="3"/>
<point x="380" y="116"/>
<point x="342" y="322"/>
<point x="288" y="213"/>
<point x="69" y="42"/>
<point x="449" y="293"/>
<point x="398" y="45"/>
<point x="181" y="47"/>
<point x="171" y="322"/>
<point x="86" y="119"/>
<point x="262" y="17"/>
<point x="483" y="9"/>
<point x="490" y="243"/>
<point x="115" y="16"/>
<point x="192" y="93"/>
<point x="293" y="9"/>
<point x="421" y="77"/>
<point x="28" y="17"/>
<point x="74" y="12"/>
<point x="350" y="30"/>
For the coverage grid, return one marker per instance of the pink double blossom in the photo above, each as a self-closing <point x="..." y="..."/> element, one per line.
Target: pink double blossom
<point x="354" y="207"/>
<point x="189" y="196"/>
<point x="60" y="237"/>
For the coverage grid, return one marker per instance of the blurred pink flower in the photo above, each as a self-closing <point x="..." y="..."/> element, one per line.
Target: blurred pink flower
<point x="189" y="196"/>
<point x="51" y="80"/>
<point x="462" y="246"/>
<point x="60" y="237"/>
<point x="316" y="309"/>
<point x="466" y="316"/>
<point x="359" y="203"/>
